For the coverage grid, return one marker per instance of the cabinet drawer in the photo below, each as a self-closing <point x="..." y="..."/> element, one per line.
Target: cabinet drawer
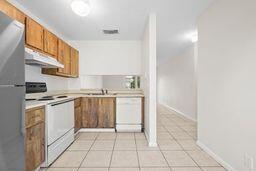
<point x="34" y="116"/>
<point x="78" y="102"/>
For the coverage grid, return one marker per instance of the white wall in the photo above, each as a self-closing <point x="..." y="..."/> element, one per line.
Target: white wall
<point x="114" y="82"/>
<point x="227" y="82"/>
<point x="149" y="78"/>
<point x="109" y="57"/>
<point x="33" y="74"/>
<point x="91" y="82"/>
<point x="177" y="83"/>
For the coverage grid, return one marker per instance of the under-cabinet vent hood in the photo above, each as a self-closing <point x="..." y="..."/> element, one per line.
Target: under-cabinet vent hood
<point x="37" y="59"/>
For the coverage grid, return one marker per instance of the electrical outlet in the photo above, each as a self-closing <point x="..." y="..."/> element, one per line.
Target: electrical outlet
<point x="249" y="162"/>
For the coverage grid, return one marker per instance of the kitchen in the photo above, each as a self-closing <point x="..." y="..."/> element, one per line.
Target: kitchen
<point x="127" y="85"/>
<point x="65" y="93"/>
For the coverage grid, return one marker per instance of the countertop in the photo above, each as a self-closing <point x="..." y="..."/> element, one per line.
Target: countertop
<point x="33" y="104"/>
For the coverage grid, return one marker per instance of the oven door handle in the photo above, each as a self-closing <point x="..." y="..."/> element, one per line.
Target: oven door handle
<point x="62" y="102"/>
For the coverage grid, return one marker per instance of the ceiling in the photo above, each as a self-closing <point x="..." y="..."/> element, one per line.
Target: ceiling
<point x="175" y="19"/>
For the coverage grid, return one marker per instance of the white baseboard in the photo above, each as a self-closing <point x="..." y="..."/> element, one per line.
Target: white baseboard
<point x="97" y="130"/>
<point x="215" y="156"/>
<point x="178" y="112"/>
<point x="150" y="144"/>
<point x="154" y="144"/>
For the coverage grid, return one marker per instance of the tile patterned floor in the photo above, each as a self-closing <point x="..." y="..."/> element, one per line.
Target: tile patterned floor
<point x="177" y="150"/>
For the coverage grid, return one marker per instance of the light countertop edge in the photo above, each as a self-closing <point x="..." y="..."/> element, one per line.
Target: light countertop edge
<point x="34" y="104"/>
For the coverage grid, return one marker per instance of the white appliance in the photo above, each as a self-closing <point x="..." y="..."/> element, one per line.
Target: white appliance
<point x="38" y="59"/>
<point x="128" y="115"/>
<point x="59" y="129"/>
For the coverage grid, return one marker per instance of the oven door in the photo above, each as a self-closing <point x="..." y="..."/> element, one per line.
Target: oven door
<point x="60" y="120"/>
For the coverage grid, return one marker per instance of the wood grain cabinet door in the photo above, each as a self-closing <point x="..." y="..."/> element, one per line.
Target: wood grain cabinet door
<point x="106" y="113"/>
<point x="64" y="57"/>
<point x="50" y="43"/>
<point x="74" y="62"/>
<point x="90" y="112"/>
<point x="98" y="112"/>
<point x="67" y="63"/>
<point x="34" y="146"/>
<point x="6" y="8"/>
<point x="34" y="34"/>
<point x="61" y="56"/>
<point x="78" y="118"/>
<point x="12" y="11"/>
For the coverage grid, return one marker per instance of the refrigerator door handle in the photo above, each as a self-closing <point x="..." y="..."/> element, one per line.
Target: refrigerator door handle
<point x="23" y="129"/>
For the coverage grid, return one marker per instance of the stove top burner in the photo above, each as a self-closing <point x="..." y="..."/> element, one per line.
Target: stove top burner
<point x="45" y="99"/>
<point x="30" y="99"/>
<point x="60" y="97"/>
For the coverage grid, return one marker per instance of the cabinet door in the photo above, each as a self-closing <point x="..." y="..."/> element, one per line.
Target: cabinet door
<point x="67" y="69"/>
<point x="90" y="112"/>
<point x="12" y="11"/>
<point x="78" y="118"/>
<point x="50" y="43"/>
<point x="34" y="146"/>
<point x="106" y="113"/>
<point x="64" y="57"/>
<point x="61" y="47"/>
<point x="98" y="113"/>
<point x="34" y="34"/>
<point x="74" y="62"/>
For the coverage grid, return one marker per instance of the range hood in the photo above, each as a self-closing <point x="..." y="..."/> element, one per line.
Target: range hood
<point x="38" y="59"/>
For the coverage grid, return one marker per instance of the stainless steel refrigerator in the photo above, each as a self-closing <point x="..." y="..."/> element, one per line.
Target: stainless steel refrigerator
<point x="12" y="94"/>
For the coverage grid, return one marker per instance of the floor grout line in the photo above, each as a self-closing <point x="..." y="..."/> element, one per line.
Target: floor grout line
<point x="88" y="151"/>
<point x="137" y="152"/>
<point x="109" y="167"/>
<point x="164" y="120"/>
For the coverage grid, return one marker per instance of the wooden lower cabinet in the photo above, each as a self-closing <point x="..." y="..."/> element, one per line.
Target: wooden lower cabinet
<point x="35" y="139"/>
<point x="78" y="118"/>
<point x="78" y="114"/>
<point x="98" y="112"/>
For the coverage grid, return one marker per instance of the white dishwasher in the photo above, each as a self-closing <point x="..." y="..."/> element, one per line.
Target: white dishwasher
<point x="128" y="115"/>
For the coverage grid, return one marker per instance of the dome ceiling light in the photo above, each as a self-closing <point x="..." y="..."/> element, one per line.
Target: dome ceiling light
<point x="81" y="7"/>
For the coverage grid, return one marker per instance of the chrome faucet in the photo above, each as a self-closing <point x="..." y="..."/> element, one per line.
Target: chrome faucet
<point x="104" y="91"/>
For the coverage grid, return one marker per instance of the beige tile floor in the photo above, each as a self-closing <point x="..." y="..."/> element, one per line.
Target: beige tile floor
<point x="177" y="150"/>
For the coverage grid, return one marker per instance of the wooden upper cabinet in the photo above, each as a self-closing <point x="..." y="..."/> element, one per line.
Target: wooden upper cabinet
<point x="34" y="34"/>
<point x="19" y="16"/>
<point x="50" y="43"/>
<point x="67" y="58"/>
<point x="64" y="57"/>
<point x="12" y="11"/>
<point x="74" y="63"/>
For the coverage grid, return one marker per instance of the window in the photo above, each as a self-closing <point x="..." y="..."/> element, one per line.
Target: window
<point x="132" y="82"/>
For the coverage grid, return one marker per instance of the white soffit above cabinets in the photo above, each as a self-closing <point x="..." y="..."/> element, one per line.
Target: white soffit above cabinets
<point x="175" y="19"/>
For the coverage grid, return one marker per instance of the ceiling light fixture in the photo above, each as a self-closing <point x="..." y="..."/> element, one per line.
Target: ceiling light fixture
<point x="81" y="7"/>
